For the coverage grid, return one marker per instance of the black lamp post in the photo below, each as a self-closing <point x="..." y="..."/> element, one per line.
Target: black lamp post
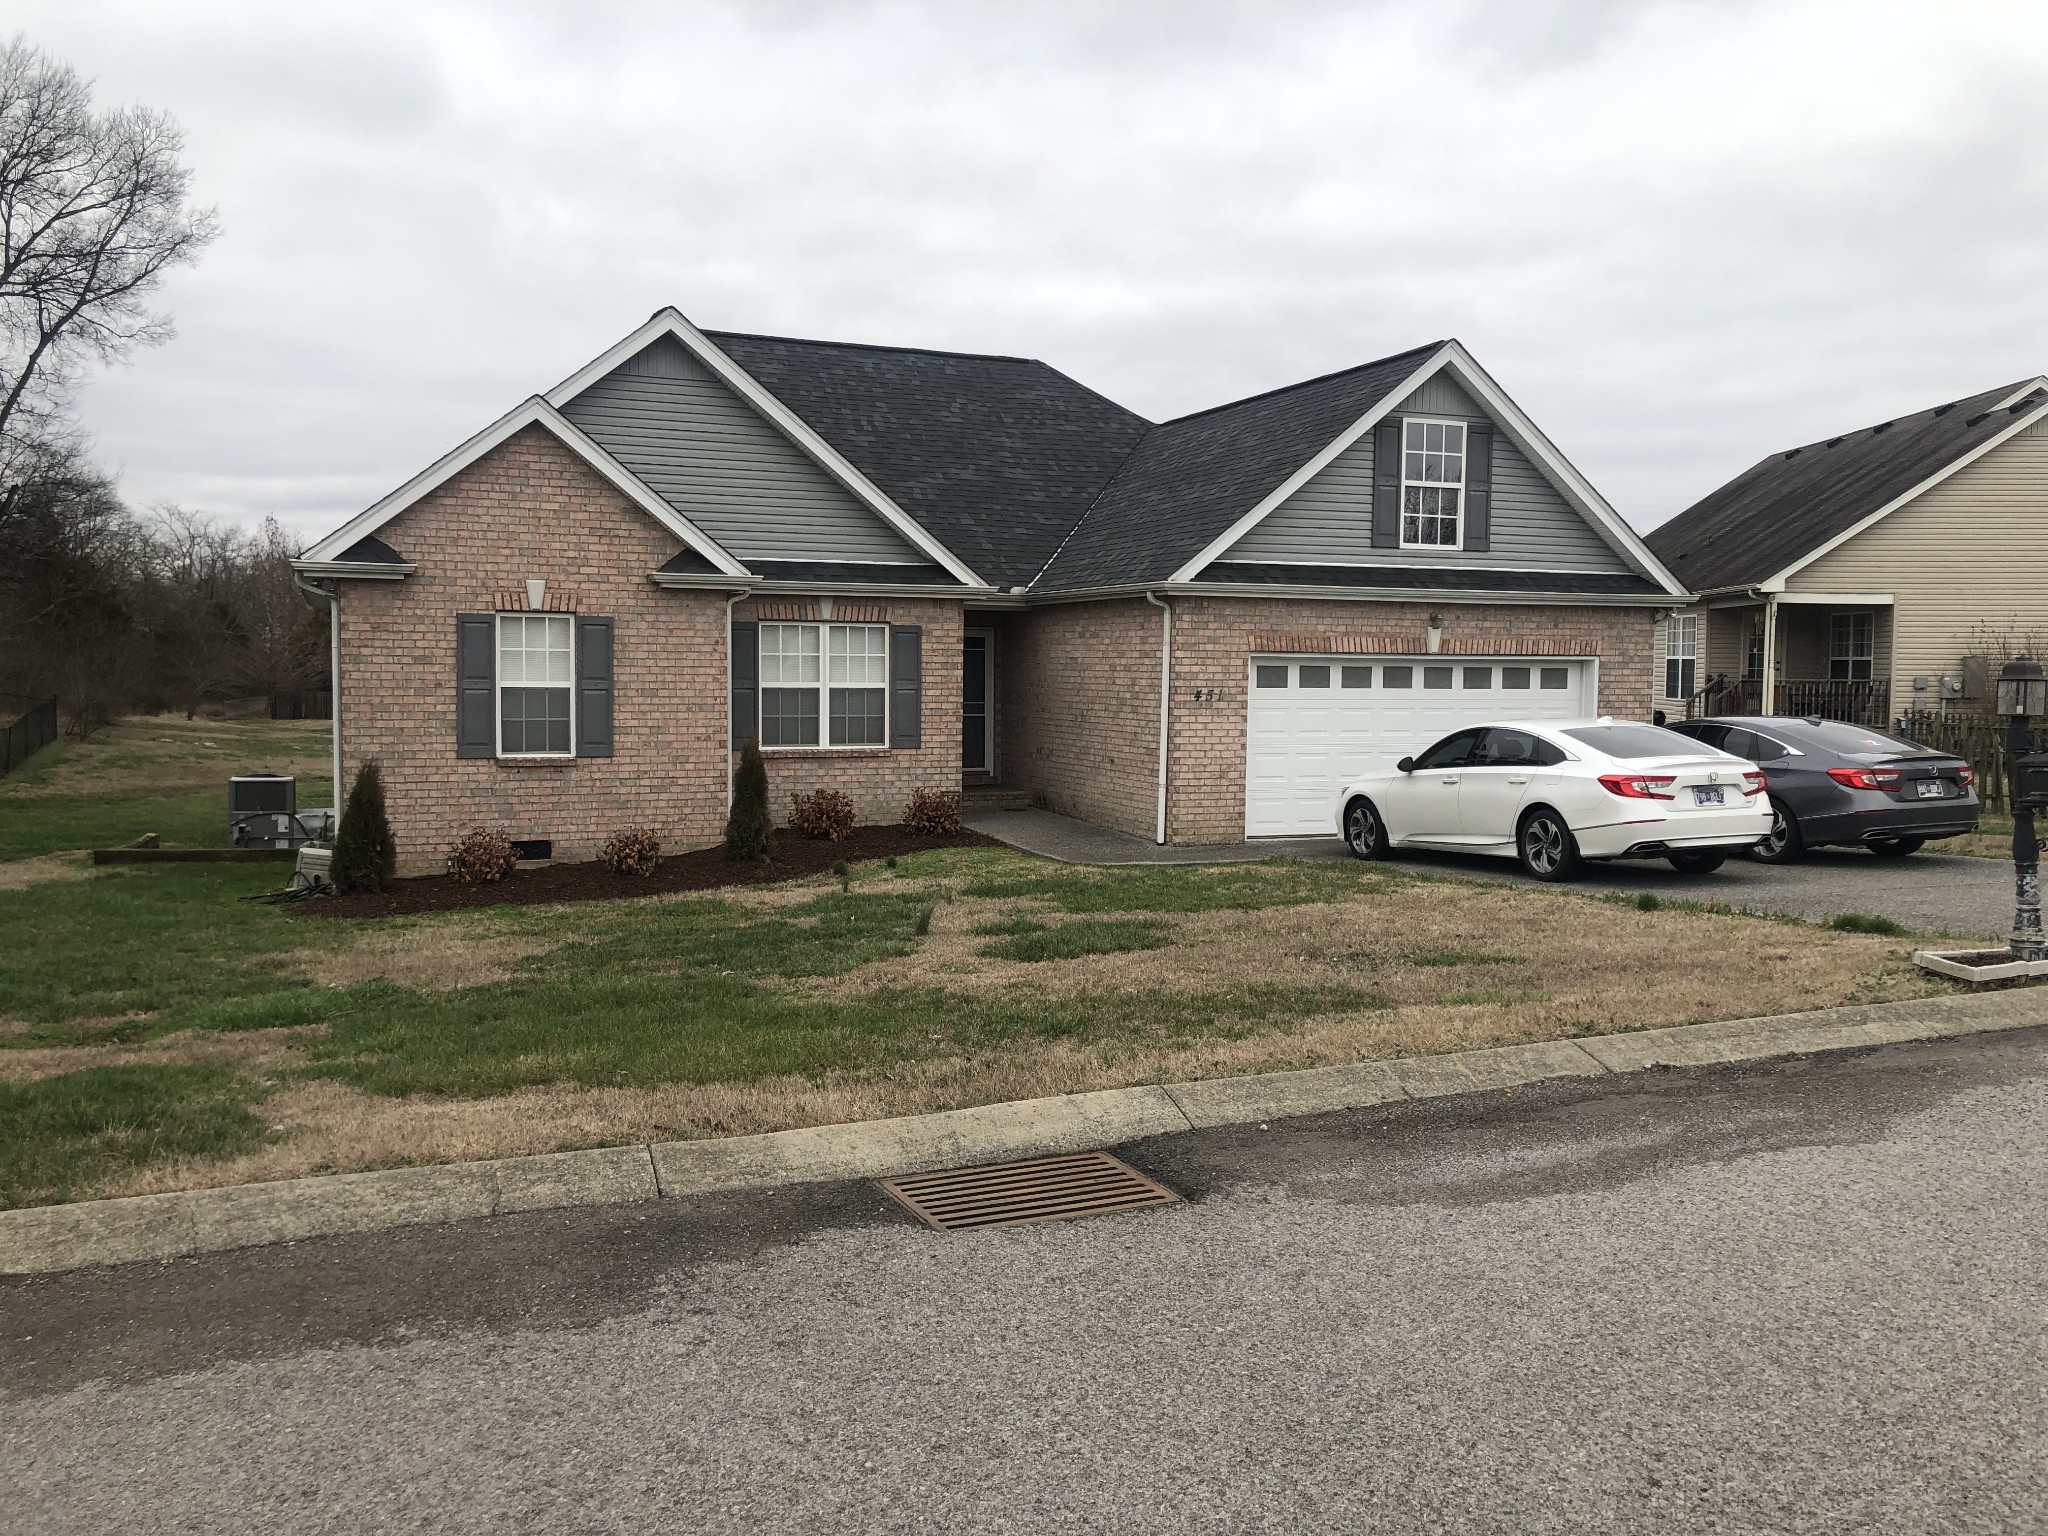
<point x="2023" y="695"/>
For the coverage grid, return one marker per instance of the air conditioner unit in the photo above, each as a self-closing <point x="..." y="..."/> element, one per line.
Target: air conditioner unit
<point x="263" y="812"/>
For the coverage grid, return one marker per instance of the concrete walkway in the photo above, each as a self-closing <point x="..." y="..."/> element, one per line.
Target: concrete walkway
<point x="1078" y="842"/>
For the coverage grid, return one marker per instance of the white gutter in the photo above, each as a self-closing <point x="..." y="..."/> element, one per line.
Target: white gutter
<point x="731" y="600"/>
<point x="1165" y="698"/>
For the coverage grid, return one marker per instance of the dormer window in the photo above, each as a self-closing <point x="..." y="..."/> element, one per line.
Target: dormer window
<point x="1432" y="483"/>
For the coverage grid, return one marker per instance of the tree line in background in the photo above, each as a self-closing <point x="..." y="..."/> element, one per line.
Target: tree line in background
<point x="103" y="608"/>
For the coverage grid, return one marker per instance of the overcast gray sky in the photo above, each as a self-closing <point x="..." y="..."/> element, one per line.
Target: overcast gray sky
<point x="1681" y="235"/>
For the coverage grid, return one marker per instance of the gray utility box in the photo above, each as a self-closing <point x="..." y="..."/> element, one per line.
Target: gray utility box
<point x="263" y="812"/>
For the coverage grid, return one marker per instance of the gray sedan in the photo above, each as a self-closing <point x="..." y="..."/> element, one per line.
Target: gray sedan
<point x="1831" y="782"/>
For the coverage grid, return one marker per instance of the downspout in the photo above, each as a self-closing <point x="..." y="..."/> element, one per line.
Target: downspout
<point x="731" y="601"/>
<point x="1165" y="699"/>
<point x="333" y="601"/>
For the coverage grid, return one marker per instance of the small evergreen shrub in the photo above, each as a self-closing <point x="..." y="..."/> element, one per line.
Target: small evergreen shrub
<point x="933" y="812"/>
<point x="482" y="857"/>
<point x="634" y="851"/>
<point x="822" y="813"/>
<point x="365" y="854"/>
<point x="748" y="833"/>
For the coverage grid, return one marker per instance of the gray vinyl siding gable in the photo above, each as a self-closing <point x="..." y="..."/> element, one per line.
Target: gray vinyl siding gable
<point x="706" y="452"/>
<point x="1329" y="520"/>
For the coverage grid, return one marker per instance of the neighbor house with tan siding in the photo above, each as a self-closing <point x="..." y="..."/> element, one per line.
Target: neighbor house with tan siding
<point x="896" y="569"/>
<point x="1880" y="572"/>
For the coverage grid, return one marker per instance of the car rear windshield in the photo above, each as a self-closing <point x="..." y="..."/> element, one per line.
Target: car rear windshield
<point x="1858" y="740"/>
<point x="1632" y="741"/>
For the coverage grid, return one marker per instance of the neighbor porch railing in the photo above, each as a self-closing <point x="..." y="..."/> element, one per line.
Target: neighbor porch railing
<point x="1865" y="703"/>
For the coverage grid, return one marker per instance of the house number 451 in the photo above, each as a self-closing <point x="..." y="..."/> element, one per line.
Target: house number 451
<point x="1208" y="695"/>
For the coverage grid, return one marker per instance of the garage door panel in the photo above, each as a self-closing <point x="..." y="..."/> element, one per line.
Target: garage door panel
<point x="1303" y="744"/>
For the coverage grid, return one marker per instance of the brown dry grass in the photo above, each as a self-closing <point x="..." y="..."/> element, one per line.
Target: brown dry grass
<point x="1530" y="965"/>
<point x="258" y="1052"/>
<point x="168" y="755"/>
<point x="436" y="958"/>
<point x="22" y="873"/>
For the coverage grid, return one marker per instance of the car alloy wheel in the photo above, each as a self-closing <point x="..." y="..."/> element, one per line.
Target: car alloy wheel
<point x="1782" y="844"/>
<point x="1548" y="849"/>
<point x="1363" y="833"/>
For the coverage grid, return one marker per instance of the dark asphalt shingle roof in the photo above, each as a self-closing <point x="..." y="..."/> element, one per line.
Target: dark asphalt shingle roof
<point x="1191" y="478"/>
<point x="1791" y="503"/>
<point x="997" y="456"/>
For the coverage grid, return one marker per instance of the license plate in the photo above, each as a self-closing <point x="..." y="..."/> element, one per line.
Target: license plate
<point x="1932" y="789"/>
<point x="1709" y="794"/>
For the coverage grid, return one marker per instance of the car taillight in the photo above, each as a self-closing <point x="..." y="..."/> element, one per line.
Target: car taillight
<point x="1752" y="783"/>
<point x="1967" y="775"/>
<point x="1865" y="778"/>
<point x="1638" y="786"/>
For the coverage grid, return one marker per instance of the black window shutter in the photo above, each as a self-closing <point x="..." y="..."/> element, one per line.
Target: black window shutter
<point x="1386" y="485"/>
<point x="476" y="677"/>
<point x="746" y="682"/>
<point x="1479" y="486"/>
<point x="906" y="685"/>
<point x="593" y="687"/>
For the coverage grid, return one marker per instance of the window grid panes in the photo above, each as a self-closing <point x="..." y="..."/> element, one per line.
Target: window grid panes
<point x="1681" y="655"/>
<point x="824" y="684"/>
<point x="1432" y="482"/>
<point x="536" y="673"/>
<point x="1851" y="646"/>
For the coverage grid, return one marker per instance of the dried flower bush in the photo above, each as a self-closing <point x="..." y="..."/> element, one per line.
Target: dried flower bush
<point x="933" y="812"/>
<point x="482" y="857"/>
<point x="633" y="851"/>
<point x="822" y="813"/>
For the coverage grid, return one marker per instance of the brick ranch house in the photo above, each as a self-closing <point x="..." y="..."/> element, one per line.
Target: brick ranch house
<point x="902" y="568"/>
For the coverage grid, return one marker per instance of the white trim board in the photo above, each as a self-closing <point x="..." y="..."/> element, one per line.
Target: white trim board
<point x="1834" y="599"/>
<point x="1776" y="584"/>
<point x="1507" y="417"/>
<point x="671" y="322"/>
<point x="534" y="411"/>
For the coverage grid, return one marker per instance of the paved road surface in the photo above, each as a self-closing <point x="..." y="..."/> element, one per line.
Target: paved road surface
<point x="1928" y="892"/>
<point x="1809" y="1297"/>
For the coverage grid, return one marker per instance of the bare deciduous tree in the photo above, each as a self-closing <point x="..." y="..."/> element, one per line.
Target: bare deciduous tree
<point x="92" y="214"/>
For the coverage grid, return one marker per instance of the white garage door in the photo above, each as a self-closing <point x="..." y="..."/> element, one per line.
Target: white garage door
<point x="1316" y="721"/>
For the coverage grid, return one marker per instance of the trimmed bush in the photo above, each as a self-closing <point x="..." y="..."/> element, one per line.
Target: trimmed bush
<point x="365" y="854"/>
<point x="822" y="813"/>
<point x="484" y="856"/>
<point x="748" y="832"/>
<point x="634" y="851"/>
<point x="933" y="812"/>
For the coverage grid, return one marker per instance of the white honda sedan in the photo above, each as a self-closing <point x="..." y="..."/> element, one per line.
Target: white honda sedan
<point x="1558" y="793"/>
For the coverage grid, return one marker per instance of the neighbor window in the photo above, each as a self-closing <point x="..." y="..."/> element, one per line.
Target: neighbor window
<point x="829" y="677"/>
<point x="536" y="674"/>
<point x="1681" y="654"/>
<point x="1851" y="643"/>
<point x="1432" y="483"/>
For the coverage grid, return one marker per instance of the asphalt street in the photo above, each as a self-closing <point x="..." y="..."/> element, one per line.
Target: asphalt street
<point x="1808" y="1296"/>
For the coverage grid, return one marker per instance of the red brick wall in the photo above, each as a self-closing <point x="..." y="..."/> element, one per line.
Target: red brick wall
<point x="532" y="509"/>
<point x="1214" y="637"/>
<point x="1080" y="709"/>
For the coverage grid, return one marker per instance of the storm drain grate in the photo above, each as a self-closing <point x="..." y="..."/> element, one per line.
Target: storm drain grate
<point x="1015" y="1194"/>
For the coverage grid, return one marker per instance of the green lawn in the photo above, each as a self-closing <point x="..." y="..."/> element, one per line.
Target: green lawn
<point x="130" y="998"/>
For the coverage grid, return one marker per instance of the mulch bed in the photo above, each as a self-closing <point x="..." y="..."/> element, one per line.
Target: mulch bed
<point x="708" y="869"/>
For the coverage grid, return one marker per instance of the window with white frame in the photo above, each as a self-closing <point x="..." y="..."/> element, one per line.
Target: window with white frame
<point x="536" y="678"/>
<point x="829" y="678"/>
<point x="1753" y="651"/>
<point x="1681" y="654"/>
<point x="1852" y="642"/>
<point x="1432" y="483"/>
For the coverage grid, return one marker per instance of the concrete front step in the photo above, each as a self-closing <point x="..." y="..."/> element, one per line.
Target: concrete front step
<point x="992" y="797"/>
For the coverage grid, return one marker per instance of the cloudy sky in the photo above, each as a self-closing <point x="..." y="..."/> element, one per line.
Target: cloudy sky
<point x="1679" y="234"/>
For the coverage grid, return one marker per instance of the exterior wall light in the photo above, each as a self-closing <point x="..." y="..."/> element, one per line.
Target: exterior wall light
<point x="2022" y="696"/>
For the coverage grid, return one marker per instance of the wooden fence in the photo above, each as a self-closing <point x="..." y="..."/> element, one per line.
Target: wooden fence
<point x="307" y="704"/>
<point x="23" y="738"/>
<point x="1978" y="739"/>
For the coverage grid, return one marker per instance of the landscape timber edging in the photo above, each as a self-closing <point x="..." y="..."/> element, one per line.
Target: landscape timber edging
<point x="46" y="1239"/>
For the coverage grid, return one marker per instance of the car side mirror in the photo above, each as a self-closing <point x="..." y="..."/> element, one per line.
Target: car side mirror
<point x="1406" y="765"/>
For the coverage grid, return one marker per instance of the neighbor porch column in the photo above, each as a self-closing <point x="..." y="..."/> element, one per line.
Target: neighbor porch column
<point x="1770" y="678"/>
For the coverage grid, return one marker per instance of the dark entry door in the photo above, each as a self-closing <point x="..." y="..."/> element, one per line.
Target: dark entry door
<point x="974" y="691"/>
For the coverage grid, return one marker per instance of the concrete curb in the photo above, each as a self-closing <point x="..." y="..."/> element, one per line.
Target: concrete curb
<point x="46" y="1239"/>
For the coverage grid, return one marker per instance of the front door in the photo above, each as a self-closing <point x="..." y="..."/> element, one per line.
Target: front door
<point x="975" y="753"/>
